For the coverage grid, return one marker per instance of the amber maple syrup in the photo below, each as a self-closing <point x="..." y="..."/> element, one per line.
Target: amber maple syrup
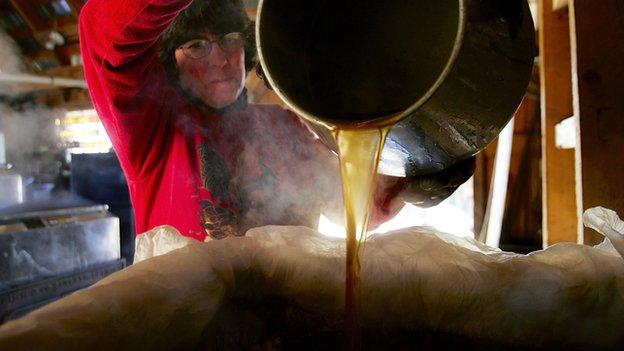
<point x="359" y="152"/>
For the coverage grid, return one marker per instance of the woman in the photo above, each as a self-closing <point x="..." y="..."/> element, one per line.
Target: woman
<point x="167" y="79"/>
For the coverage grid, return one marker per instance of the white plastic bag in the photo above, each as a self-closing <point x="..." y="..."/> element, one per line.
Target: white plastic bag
<point x="158" y="241"/>
<point x="607" y="223"/>
<point x="243" y="293"/>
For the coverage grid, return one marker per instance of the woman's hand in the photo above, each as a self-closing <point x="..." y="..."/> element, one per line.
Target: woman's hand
<point x="423" y="191"/>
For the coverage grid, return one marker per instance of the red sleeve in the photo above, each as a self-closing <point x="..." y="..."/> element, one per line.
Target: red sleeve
<point x="127" y="83"/>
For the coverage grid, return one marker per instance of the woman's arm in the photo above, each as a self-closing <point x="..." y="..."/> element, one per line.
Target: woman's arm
<point x="431" y="189"/>
<point x="127" y="83"/>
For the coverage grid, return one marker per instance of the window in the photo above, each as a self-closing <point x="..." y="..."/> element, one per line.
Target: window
<point x="82" y="132"/>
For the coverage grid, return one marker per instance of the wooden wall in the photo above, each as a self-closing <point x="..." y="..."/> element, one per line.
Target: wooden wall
<point x="581" y="71"/>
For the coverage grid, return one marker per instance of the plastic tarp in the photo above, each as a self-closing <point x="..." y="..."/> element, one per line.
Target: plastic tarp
<point x="254" y="292"/>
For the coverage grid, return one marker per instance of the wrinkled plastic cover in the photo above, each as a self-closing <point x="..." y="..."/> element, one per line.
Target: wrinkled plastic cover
<point x="412" y="279"/>
<point x="158" y="241"/>
<point x="607" y="223"/>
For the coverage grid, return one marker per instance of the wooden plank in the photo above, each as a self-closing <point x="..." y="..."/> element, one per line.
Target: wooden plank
<point x="559" y="4"/>
<point x="522" y="225"/>
<point x="481" y="184"/>
<point x="597" y="37"/>
<point x="559" y="206"/>
<point x="480" y="190"/>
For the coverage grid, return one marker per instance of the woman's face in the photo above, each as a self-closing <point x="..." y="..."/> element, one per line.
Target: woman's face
<point x="218" y="77"/>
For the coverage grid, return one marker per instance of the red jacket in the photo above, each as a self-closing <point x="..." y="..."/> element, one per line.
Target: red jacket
<point x="186" y="166"/>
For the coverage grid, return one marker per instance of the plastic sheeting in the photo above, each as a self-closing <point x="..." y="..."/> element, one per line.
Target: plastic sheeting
<point x="159" y="241"/>
<point x="609" y="224"/>
<point x="258" y="291"/>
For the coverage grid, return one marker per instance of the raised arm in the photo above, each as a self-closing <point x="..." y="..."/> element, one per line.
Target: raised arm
<point x="127" y="83"/>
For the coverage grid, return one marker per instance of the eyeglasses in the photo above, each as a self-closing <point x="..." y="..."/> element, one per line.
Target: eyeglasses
<point x="199" y="48"/>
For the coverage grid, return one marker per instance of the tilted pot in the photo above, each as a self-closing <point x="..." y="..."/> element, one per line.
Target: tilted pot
<point x="451" y="73"/>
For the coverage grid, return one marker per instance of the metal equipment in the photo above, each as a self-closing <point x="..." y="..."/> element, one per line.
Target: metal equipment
<point x="47" y="254"/>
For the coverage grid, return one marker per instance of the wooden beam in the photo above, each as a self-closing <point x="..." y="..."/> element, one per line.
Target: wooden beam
<point x="72" y="72"/>
<point x="29" y="12"/>
<point x="597" y="37"/>
<point x="559" y="212"/>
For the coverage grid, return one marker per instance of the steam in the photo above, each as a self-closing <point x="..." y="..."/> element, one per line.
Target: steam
<point x="32" y="144"/>
<point x="280" y="174"/>
<point x="32" y="141"/>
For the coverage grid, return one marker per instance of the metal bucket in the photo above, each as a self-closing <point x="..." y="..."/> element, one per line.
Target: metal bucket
<point x="450" y="72"/>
